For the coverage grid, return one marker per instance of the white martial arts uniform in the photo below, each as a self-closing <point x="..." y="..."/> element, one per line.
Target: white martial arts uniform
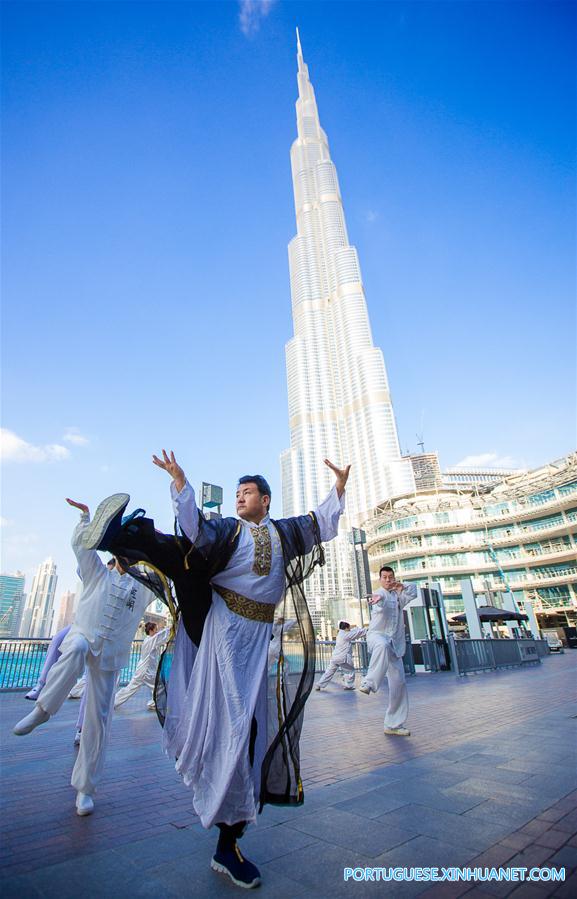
<point x="228" y="688"/>
<point x="342" y="658"/>
<point x="145" y="673"/>
<point x="109" y="610"/>
<point x="386" y="644"/>
<point x="278" y="630"/>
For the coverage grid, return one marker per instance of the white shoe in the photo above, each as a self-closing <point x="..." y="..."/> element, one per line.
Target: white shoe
<point x="84" y="804"/>
<point x="77" y="736"/>
<point x="26" y="725"/>
<point x="397" y="731"/>
<point x="33" y="694"/>
<point x="364" y="688"/>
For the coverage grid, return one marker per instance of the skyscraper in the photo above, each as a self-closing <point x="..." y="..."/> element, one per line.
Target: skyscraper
<point x="38" y="614"/>
<point x="338" y="393"/>
<point x="11" y="603"/>
<point x="66" y="610"/>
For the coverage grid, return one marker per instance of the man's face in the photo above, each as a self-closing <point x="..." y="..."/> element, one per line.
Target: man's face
<point x="388" y="579"/>
<point x="250" y="505"/>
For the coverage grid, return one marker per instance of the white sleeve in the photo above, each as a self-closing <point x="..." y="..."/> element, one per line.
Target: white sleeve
<point x="89" y="562"/>
<point x="328" y="514"/>
<point x="356" y="633"/>
<point x="185" y="509"/>
<point x="407" y="595"/>
<point x="159" y="638"/>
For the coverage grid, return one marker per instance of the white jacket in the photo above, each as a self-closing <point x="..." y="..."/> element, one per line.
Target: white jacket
<point x="109" y="608"/>
<point x="387" y="617"/>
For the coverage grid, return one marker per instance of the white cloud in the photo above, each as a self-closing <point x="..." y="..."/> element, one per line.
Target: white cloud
<point x="15" y="449"/>
<point x="73" y="436"/>
<point x="371" y="216"/>
<point x="487" y="460"/>
<point x="251" y="14"/>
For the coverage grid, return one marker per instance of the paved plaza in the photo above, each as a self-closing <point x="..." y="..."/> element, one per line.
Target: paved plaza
<point x="488" y="778"/>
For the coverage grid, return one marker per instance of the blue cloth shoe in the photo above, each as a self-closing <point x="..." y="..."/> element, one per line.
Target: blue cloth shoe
<point x="239" y="869"/>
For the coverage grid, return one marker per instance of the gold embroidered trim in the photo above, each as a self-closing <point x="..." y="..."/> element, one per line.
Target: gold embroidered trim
<point x="246" y="608"/>
<point x="262" y="550"/>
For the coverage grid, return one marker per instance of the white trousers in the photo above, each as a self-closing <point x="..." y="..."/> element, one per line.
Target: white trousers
<point x="138" y="681"/>
<point x="99" y="693"/>
<point x="347" y="670"/>
<point x="384" y="663"/>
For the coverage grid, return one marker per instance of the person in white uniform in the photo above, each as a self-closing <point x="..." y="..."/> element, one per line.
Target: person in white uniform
<point x="109" y="610"/>
<point x="279" y="629"/>
<point x="386" y="644"/>
<point x="342" y="657"/>
<point x="145" y="674"/>
<point x="216" y="725"/>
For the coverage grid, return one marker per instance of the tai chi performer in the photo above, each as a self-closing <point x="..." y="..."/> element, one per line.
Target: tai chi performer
<point x="145" y="674"/>
<point x="229" y="574"/>
<point x="342" y="656"/>
<point x="109" y="610"/>
<point x="386" y="644"/>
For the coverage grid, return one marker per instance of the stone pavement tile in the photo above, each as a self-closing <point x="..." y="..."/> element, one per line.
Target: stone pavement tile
<point x="569" y="823"/>
<point x="447" y="891"/>
<point x="319" y="869"/>
<point x="536" y="827"/>
<point x="553" y="814"/>
<point x="517" y="840"/>
<point x="427" y="794"/>
<point x="95" y="876"/>
<point x="532" y="857"/>
<point x="572" y="841"/>
<point x="533" y="891"/>
<point x="353" y="832"/>
<point x="155" y="850"/>
<point x="567" y="889"/>
<point x="425" y="851"/>
<point x="554" y="784"/>
<point x="564" y="858"/>
<point x="497" y="789"/>
<point x="475" y="835"/>
<point x="371" y="805"/>
<point x="552" y="838"/>
<point x="19" y="886"/>
<point x="265" y="845"/>
<point x="495" y="856"/>
<point x="515" y="814"/>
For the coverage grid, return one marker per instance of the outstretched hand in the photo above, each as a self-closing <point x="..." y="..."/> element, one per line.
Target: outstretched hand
<point x="72" y="502"/>
<point x="172" y="467"/>
<point x="341" y="475"/>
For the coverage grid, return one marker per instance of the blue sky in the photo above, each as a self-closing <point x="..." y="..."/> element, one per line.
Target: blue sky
<point x="148" y="206"/>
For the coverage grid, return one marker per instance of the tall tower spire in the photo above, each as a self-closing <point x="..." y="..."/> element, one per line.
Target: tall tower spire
<point x="339" y="401"/>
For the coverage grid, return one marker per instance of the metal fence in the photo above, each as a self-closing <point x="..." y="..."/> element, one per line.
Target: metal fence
<point x="488" y="655"/>
<point x="21" y="662"/>
<point x="324" y="651"/>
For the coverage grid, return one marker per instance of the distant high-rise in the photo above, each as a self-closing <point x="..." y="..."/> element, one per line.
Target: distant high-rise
<point x="339" y="401"/>
<point x="11" y="603"/>
<point x="66" y="610"/>
<point x="39" y="610"/>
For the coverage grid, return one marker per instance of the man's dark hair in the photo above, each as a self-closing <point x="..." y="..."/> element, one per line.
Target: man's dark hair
<point x="111" y="562"/>
<point x="261" y="483"/>
<point x="149" y="627"/>
<point x="344" y="625"/>
<point x="386" y="568"/>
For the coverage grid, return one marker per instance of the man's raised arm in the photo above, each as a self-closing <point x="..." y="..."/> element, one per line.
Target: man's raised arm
<point x="331" y="509"/>
<point x="182" y="494"/>
<point x="89" y="562"/>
